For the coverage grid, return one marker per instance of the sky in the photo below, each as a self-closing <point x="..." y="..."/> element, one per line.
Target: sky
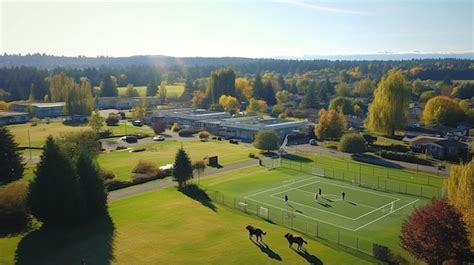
<point x="262" y="29"/>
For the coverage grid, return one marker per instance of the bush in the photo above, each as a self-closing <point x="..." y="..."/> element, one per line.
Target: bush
<point x="405" y="157"/>
<point x="369" y="138"/>
<point x="114" y="184"/>
<point x="203" y="135"/>
<point x="112" y="120"/>
<point x="120" y="147"/>
<point x="142" y="178"/>
<point x="34" y="121"/>
<point x="13" y="206"/>
<point x="106" y="174"/>
<point x="352" y="143"/>
<point x="105" y="134"/>
<point x="188" y="132"/>
<point x="175" y="127"/>
<point x="145" y="167"/>
<point x="393" y="147"/>
<point x="252" y="155"/>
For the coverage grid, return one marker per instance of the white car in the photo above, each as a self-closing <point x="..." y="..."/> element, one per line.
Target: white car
<point x="158" y="138"/>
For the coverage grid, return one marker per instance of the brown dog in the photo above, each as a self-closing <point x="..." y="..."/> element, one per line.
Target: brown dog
<point x="255" y="231"/>
<point x="295" y="239"/>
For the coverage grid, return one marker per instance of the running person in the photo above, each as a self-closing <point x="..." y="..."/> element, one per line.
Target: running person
<point x="286" y="199"/>
<point x="343" y="195"/>
<point x="320" y="191"/>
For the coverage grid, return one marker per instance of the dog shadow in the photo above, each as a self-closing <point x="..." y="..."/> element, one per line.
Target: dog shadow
<point x="310" y="258"/>
<point x="267" y="250"/>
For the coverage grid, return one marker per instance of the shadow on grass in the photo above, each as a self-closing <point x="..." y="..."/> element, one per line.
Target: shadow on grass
<point x="196" y="193"/>
<point x="310" y="258"/>
<point x="16" y="227"/>
<point x="297" y="158"/>
<point x="91" y="243"/>
<point x="325" y="204"/>
<point x="267" y="250"/>
<point x="375" y="161"/>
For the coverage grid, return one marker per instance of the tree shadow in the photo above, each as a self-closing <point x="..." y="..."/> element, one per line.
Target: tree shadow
<point x="196" y="193"/>
<point x="310" y="258"/>
<point x="267" y="250"/>
<point x="91" y="243"/>
<point x="297" y="158"/>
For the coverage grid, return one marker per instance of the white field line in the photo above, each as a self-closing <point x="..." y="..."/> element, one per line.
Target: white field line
<point x="338" y="199"/>
<point x="381" y="207"/>
<point x="373" y="221"/>
<point x="260" y="192"/>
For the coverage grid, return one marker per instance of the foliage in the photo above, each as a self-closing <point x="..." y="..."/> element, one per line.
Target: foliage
<point x="11" y="161"/>
<point x="163" y="92"/>
<point x="139" y="111"/>
<point x="4" y="106"/>
<point x="341" y="89"/>
<point x="108" y="86"/>
<point x="266" y="140"/>
<point x="389" y="109"/>
<point x="342" y="104"/>
<point x="427" y="95"/>
<point x="145" y="167"/>
<point x="151" y="89"/>
<point x="310" y="99"/>
<point x="463" y="91"/>
<point x="131" y="92"/>
<point x="352" y="143"/>
<point x="222" y="82"/>
<point x="282" y="97"/>
<point x="435" y="233"/>
<point x="203" y="135"/>
<point x="175" y="127"/>
<point x="256" y="106"/>
<point x="199" y="166"/>
<point x="158" y="127"/>
<point x="364" y="87"/>
<point x="183" y="170"/>
<point x="257" y="87"/>
<point x="409" y="157"/>
<point x="92" y="187"/>
<point x="229" y="104"/>
<point x="460" y="190"/>
<point x="198" y="97"/>
<point x="75" y="143"/>
<point x="79" y="99"/>
<point x="59" y="86"/>
<point x="243" y="88"/>
<point x="96" y="122"/>
<point x="54" y="194"/>
<point x="13" y="206"/>
<point x="331" y="124"/>
<point x="188" y="132"/>
<point x="442" y="110"/>
<point x="112" y="120"/>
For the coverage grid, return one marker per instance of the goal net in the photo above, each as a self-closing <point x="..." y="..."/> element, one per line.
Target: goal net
<point x="263" y="212"/>
<point x="317" y="171"/>
<point x="270" y="163"/>
<point x="287" y="182"/>
<point x="388" y="208"/>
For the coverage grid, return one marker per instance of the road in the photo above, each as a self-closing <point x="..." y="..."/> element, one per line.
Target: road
<point x="158" y="184"/>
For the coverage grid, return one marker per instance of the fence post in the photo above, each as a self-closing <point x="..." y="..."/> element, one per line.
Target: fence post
<point x="357" y="243"/>
<point x="338" y="235"/>
<point x="317" y="229"/>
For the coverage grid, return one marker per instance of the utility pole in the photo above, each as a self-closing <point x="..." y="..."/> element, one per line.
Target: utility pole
<point x="29" y="143"/>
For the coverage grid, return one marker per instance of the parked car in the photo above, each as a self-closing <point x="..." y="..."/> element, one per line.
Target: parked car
<point x="137" y="123"/>
<point x="159" y="138"/>
<point x="313" y="142"/>
<point x="234" y="141"/>
<point x="130" y="139"/>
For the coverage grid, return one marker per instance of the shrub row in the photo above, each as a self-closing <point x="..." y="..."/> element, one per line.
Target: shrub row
<point x="405" y="157"/>
<point x="392" y="147"/>
<point x="188" y="132"/>
<point x="115" y="184"/>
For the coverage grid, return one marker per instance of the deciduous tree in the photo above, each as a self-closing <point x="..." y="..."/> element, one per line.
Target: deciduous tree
<point x="331" y="124"/>
<point x="352" y="143"/>
<point x="96" y="122"/>
<point x="244" y="88"/>
<point x="442" y="110"/>
<point x="342" y="104"/>
<point x="389" y="109"/>
<point x="163" y="92"/>
<point x="266" y="140"/>
<point x="256" y="106"/>
<point x="229" y="104"/>
<point x="435" y="233"/>
<point x="131" y="92"/>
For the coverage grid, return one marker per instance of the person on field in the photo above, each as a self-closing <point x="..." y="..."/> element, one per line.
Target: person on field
<point x="286" y="199"/>
<point x="319" y="191"/>
<point x="343" y="195"/>
<point x="316" y="196"/>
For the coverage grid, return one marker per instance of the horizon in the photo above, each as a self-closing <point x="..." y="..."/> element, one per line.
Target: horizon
<point x="275" y="29"/>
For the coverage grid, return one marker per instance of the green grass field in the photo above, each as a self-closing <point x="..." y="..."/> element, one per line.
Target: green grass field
<point x="40" y="132"/>
<point x="168" y="227"/>
<point x="174" y="90"/>
<point x="365" y="216"/>
<point x="161" y="153"/>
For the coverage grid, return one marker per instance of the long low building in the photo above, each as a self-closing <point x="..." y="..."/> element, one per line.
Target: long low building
<point x="125" y="103"/>
<point x="188" y="117"/>
<point x="40" y="109"/>
<point x="12" y="117"/>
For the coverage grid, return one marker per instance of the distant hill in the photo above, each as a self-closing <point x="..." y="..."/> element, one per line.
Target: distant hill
<point x="51" y="62"/>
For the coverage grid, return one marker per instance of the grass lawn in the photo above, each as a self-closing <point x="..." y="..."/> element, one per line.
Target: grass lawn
<point x="174" y="90"/>
<point x="167" y="227"/>
<point x="40" y="132"/>
<point x="363" y="214"/>
<point x="161" y="153"/>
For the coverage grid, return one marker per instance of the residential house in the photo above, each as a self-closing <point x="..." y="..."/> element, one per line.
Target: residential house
<point x="440" y="148"/>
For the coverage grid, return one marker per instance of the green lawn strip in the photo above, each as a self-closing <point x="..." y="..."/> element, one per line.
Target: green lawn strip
<point x="174" y="90"/>
<point x="162" y="153"/>
<point x="141" y="90"/>
<point x="167" y="227"/>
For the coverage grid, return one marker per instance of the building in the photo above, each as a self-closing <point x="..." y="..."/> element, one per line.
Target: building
<point x="188" y="117"/>
<point x="40" y="110"/>
<point x="10" y="117"/>
<point x="125" y="103"/>
<point x="245" y="128"/>
<point x="440" y="148"/>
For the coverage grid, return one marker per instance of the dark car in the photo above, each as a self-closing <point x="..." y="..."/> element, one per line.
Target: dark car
<point x="313" y="142"/>
<point x="130" y="139"/>
<point x="137" y="123"/>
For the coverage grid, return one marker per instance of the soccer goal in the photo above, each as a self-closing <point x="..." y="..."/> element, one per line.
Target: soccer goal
<point x="263" y="212"/>
<point x="270" y="163"/>
<point x="287" y="182"/>
<point x="388" y="208"/>
<point x="317" y="171"/>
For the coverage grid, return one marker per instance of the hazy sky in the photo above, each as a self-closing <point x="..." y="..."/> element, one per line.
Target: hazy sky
<point x="236" y="28"/>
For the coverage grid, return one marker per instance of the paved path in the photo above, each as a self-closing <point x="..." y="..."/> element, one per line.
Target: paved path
<point x="163" y="183"/>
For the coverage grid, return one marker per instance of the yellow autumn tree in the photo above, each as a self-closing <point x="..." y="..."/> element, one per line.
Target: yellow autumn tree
<point x="442" y="110"/>
<point x="460" y="190"/>
<point x="244" y="88"/>
<point x="256" y="106"/>
<point x="331" y="124"/>
<point x="229" y="103"/>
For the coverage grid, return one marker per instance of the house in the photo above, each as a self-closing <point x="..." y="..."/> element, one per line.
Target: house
<point x="77" y="118"/>
<point x="440" y="148"/>
<point x="415" y="130"/>
<point x="414" y="113"/>
<point x="11" y="117"/>
<point x="39" y="109"/>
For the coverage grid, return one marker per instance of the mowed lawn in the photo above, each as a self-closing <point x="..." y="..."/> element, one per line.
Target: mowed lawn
<point x="40" y="132"/>
<point x="256" y="179"/>
<point x="167" y="227"/>
<point x="162" y="153"/>
<point x="174" y="90"/>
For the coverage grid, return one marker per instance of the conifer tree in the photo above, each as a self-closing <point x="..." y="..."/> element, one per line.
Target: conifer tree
<point x="92" y="186"/>
<point x="11" y="165"/>
<point x="183" y="170"/>
<point x="54" y="194"/>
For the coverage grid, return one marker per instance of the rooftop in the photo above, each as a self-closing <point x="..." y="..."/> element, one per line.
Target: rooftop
<point x="42" y="104"/>
<point x="11" y="113"/>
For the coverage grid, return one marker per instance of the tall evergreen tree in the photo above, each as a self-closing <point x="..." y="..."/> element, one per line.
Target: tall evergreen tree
<point x="310" y="99"/>
<point x="108" y="86"/>
<point x="269" y="94"/>
<point x="11" y="166"/>
<point x="54" y="194"/>
<point x="183" y="169"/>
<point x="257" y="87"/>
<point x="281" y="83"/>
<point x="151" y="89"/>
<point x="92" y="186"/>
<point x="222" y="82"/>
